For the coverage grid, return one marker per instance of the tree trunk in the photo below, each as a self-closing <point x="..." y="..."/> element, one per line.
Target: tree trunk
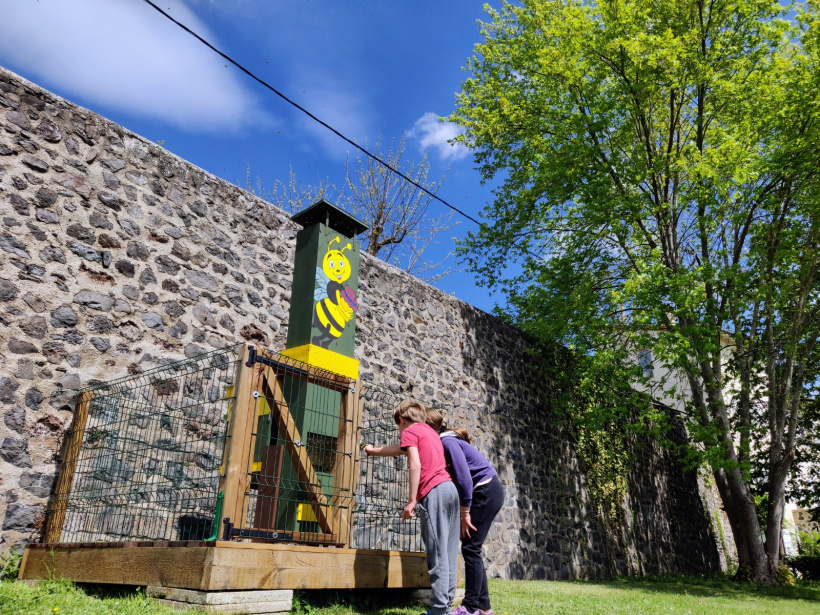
<point x="753" y="563"/>
<point x="774" y="524"/>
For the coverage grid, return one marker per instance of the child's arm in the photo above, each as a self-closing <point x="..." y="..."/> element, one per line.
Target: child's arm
<point x="464" y="483"/>
<point x="461" y="471"/>
<point x="414" y="463"/>
<point x="391" y="450"/>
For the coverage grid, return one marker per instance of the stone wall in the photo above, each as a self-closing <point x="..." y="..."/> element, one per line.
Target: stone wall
<point x="116" y="256"/>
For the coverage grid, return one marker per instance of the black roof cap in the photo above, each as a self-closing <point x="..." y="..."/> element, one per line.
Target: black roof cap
<point x="322" y="212"/>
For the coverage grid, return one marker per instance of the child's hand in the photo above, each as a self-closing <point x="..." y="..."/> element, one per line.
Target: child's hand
<point x="466" y="525"/>
<point x="368" y="448"/>
<point x="409" y="511"/>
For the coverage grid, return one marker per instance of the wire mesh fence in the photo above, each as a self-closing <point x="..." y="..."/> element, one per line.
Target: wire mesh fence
<point x="383" y="481"/>
<point x="142" y="459"/>
<point x="300" y="471"/>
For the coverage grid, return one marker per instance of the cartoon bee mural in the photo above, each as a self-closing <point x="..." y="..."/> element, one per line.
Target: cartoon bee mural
<point x="335" y="302"/>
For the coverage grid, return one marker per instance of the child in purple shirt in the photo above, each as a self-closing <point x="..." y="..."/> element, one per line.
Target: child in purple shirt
<point x="481" y="495"/>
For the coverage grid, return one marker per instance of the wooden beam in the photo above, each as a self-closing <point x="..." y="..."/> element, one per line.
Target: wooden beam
<point x="289" y="432"/>
<point x="228" y="566"/>
<point x="357" y="407"/>
<point x="284" y="567"/>
<point x="236" y="480"/>
<point x="164" y="566"/>
<point x="24" y="563"/>
<point x="343" y="468"/>
<point x="71" y="452"/>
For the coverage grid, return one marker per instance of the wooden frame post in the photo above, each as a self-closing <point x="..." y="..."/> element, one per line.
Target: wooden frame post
<point x="234" y="484"/>
<point x="342" y="469"/>
<point x="71" y="452"/>
<point x="357" y="406"/>
<point x="347" y="463"/>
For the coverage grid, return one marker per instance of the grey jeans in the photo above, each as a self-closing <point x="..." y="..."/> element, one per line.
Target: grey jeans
<point x="440" y="529"/>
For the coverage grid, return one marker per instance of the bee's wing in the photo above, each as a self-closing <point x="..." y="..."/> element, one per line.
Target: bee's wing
<point x="322" y="280"/>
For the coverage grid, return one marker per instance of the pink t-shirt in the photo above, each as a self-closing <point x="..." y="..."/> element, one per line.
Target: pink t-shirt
<point x="431" y="454"/>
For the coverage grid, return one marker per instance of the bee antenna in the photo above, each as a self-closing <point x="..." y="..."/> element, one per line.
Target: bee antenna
<point x="332" y="240"/>
<point x="347" y="247"/>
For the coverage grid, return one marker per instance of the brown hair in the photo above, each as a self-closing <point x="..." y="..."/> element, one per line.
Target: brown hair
<point x="434" y="419"/>
<point x="462" y="434"/>
<point x="411" y="411"/>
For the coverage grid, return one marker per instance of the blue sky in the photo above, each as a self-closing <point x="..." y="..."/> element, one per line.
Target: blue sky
<point x="366" y="68"/>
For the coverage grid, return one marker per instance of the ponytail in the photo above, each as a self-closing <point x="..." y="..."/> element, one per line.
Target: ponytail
<point x="462" y="434"/>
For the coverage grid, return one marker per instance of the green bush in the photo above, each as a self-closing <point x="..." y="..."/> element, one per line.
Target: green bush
<point x="807" y="565"/>
<point x="809" y="543"/>
<point x="10" y="566"/>
<point x="785" y="576"/>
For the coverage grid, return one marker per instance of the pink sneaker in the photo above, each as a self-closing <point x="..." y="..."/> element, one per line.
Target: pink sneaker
<point x="463" y="610"/>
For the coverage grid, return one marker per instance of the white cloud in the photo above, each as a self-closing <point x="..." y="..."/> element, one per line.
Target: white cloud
<point x="125" y="55"/>
<point x="432" y="133"/>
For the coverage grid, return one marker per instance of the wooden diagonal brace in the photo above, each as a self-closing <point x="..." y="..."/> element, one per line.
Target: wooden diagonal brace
<point x="269" y="387"/>
<point x="71" y="451"/>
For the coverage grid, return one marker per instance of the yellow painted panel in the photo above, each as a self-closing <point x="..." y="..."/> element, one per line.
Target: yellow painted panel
<point x="264" y="407"/>
<point x="305" y="512"/>
<point x="324" y="359"/>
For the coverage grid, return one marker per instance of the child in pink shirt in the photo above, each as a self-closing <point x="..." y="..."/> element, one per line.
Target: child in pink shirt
<point x="431" y="491"/>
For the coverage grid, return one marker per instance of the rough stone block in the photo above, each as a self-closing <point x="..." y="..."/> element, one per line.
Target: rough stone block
<point x="256" y="602"/>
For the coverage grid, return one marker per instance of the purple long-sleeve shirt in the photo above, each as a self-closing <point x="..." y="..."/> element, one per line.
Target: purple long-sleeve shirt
<point x="470" y="467"/>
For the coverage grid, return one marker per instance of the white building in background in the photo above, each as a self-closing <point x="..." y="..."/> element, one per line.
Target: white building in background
<point x="788" y="534"/>
<point x="803" y="521"/>
<point x="669" y="386"/>
<point x="796" y="519"/>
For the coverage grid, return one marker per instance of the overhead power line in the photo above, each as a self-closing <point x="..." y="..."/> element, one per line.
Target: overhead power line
<point x="313" y="117"/>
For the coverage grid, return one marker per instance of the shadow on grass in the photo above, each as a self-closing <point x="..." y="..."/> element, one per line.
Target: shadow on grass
<point x="104" y="591"/>
<point x="713" y="587"/>
<point x="364" y="601"/>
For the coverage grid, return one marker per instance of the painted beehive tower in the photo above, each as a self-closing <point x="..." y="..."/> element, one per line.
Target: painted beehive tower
<point x="321" y="333"/>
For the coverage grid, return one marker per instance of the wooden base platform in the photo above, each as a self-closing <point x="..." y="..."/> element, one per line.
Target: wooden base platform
<point x="221" y="565"/>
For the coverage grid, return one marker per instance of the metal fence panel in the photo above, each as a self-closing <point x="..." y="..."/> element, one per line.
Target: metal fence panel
<point x="149" y="457"/>
<point x="383" y="481"/>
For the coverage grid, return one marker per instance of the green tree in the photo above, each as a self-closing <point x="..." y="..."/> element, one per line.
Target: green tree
<point x="660" y="163"/>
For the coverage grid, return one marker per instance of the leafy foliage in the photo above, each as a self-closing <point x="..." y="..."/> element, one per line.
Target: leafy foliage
<point x="809" y="543"/>
<point x="785" y="576"/>
<point x="662" y="192"/>
<point x="10" y="565"/>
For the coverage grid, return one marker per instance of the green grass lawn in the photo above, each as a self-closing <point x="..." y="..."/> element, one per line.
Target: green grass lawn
<point x="677" y="595"/>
